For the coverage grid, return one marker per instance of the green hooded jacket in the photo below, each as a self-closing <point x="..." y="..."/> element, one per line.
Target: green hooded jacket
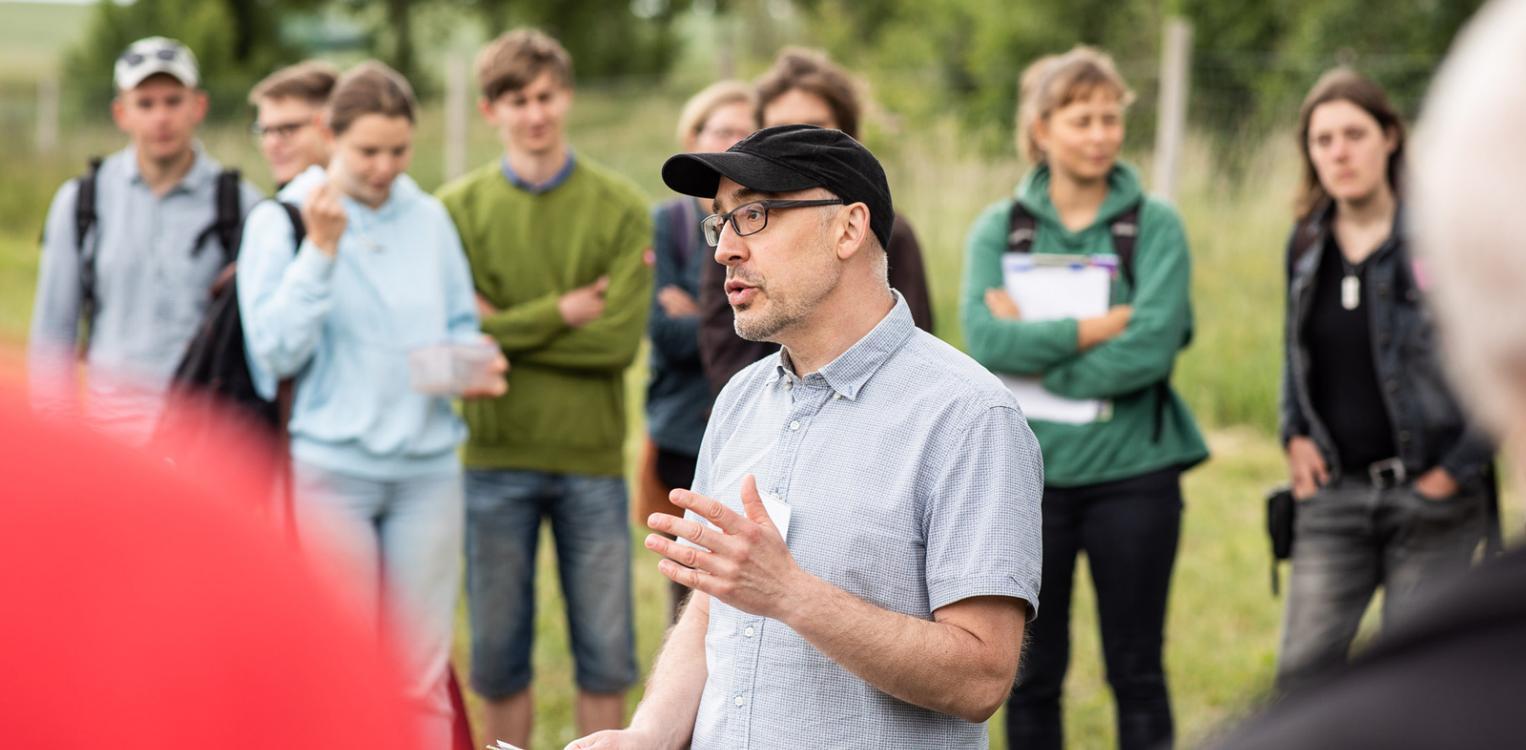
<point x="1123" y="370"/>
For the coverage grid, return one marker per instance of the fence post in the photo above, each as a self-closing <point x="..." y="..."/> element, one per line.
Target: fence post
<point x="457" y="114"/>
<point x="1171" y="123"/>
<point x="47" y="113"/>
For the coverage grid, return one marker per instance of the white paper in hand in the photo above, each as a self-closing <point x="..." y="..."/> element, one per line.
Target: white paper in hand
<point x="1051" y="287"/>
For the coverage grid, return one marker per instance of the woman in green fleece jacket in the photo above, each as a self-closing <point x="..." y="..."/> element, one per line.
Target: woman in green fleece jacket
<point x="1112" y="485"/>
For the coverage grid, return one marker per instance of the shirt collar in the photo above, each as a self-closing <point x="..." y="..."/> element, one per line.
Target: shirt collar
<point x="847" y="374"/>
<point x="543" y="187"/>
<point x="202" y="172"/>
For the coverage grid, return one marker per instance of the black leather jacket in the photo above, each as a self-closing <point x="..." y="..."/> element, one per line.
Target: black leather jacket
<point x="1430" y="428"/>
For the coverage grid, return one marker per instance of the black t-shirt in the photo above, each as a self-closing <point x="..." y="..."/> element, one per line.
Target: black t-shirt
<point x="1343" y="381"/>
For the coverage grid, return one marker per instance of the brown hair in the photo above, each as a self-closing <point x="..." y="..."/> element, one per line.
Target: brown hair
<point x="516" y="58"/>
<point x="701" y="106"/>
<point x="813" y="72"/>
<point x="369" y="88"/>
<point x="311" y="81"/>
<point x="1345" y="85"/>
<point x="1054" y="81"/>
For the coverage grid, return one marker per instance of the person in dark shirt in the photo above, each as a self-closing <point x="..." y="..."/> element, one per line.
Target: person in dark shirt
<point x="804" y="87"/>
<point x="678" y="397"/>
<point x="1393" y="482"/>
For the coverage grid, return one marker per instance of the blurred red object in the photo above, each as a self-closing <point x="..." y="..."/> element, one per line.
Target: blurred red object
<point x="146" y="603"/>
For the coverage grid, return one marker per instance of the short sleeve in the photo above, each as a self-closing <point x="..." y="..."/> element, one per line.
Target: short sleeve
<point x="982" y="517"/>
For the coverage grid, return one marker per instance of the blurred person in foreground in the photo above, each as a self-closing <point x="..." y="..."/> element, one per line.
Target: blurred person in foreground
<point x="1451" y="673"/>
<point x="153" y="607"/>
<point x="1390" y="476"/>
<point x="558" y="246"/>
<point x="289" y="118"/>
<point x="1113" y="484"/>
<point x="379" y="278"/>
<point x="863" y="534"/>
<point x="678" y="397"/>
<point x="130" y="252"/>
<point x="804" y="87"/>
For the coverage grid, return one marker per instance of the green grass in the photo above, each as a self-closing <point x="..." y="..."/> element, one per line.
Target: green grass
<point x="1223" y="622"/>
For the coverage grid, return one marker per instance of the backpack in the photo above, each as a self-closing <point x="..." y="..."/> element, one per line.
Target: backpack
<point x="226" y="227"/>
<point x="1022" y="229"/>
<point x="216" y="362"/>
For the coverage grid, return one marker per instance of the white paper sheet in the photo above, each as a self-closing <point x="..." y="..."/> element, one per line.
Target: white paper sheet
<point x="1050" y="287"/>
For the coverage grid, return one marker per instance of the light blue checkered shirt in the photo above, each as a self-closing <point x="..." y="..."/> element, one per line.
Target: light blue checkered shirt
<point x="913" y="482"/>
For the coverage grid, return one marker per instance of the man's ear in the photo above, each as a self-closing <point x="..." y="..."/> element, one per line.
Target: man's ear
<point x="201" y="102"/>
<point x="852" y="229"/>
<point x="485" y="106"/>
<point x="119" y="112"/>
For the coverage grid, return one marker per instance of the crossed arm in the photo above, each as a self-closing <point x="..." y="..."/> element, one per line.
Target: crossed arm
<point x="962" y="662"/>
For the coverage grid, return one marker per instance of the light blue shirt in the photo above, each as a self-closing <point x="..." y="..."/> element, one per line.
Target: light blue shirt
<point x="913" y="482"/>
<point x="151" y="288"/>
<point x="343" y="328"/>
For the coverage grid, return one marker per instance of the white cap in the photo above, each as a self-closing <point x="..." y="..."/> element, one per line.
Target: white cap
<point x="154" y="55"/>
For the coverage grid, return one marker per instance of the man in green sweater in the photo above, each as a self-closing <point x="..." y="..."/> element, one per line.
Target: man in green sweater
<point x="558" y="249"/>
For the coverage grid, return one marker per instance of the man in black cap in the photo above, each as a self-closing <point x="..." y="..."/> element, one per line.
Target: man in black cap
<point x="863" y="533"/>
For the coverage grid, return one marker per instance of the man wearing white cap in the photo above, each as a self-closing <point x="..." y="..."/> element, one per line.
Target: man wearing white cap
<point x="132" y="248"/>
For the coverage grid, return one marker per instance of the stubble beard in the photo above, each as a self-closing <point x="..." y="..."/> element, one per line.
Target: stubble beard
<point x="785" y="311"/>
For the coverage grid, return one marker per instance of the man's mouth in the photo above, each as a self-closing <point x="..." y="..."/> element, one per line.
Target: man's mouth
<point x="739" y="292"/>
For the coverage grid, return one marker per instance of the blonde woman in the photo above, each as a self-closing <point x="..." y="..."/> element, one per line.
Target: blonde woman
<point x="1111" y="486"/>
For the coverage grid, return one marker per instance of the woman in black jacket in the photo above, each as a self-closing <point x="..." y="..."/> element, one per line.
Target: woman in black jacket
<point x="1392" y="481"/>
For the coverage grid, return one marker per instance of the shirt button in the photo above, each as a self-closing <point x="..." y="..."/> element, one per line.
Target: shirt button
<point x="794" y="425"/>
<point x="749" y="631"/>
<point x="739" y="701"/>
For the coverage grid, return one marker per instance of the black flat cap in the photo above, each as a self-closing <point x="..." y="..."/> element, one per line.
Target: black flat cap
<point x="788" y="158"/>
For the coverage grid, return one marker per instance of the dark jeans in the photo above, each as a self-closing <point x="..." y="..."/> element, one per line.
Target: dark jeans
<point x="1128" y="530"/>
<point x="676" y="471"/>
<point x="1349" y="539"/>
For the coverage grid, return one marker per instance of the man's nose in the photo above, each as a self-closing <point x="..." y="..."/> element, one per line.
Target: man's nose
<point x="730" y="250"/>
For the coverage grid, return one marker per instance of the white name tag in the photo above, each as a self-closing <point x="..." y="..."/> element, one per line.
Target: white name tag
<point x="778" y="512"/>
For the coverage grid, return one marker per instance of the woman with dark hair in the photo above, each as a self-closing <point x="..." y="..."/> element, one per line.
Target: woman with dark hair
<point x="1391" y="479"/>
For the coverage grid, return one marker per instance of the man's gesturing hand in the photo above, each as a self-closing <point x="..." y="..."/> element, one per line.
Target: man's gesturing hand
<point x="744" y="563"/>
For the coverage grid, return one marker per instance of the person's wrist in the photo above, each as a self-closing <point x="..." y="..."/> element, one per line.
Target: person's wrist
<point x="800" y="595"/>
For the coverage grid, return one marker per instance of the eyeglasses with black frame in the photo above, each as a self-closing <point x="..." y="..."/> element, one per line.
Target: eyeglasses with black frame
<point x="751" y="218"/>
<point x="280" y="131"/>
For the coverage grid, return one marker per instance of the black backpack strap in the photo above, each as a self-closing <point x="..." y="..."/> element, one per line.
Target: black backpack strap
<point x="1022" y="227"/>
<point x="228" y="221"/>
<point x="1125" y="231"/>
<point x="298" y="229"/>
<point x="84" y="223"/>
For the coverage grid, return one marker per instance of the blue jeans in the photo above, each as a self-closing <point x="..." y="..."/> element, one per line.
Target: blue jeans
<point x="504" y="510"/>
<point x="1349" y="539"/>
<point x="397" y="547"/>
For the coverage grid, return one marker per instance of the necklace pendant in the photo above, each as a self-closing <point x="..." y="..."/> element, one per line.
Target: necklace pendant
<point x="1351" y="291"/>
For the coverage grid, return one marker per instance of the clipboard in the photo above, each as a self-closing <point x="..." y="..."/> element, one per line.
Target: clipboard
<point x="1051" y="287"/>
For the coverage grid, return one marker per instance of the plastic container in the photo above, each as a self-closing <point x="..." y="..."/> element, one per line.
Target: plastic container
<point x="453" y="369"/>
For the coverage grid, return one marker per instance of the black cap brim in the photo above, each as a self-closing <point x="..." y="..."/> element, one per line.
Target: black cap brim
<point x="700" y="175"/>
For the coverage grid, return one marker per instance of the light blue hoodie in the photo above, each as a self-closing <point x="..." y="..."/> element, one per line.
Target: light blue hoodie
<point x="344" y="326"/>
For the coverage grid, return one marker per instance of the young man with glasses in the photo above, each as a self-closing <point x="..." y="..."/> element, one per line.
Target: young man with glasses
<point x="863" y="534"/>
<point x="558" y="247"/>
<point x="288" y="108"/>
<point x="130" y="251"/>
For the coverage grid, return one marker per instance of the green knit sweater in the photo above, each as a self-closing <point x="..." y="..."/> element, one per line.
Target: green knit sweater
<point x="1121" y="445"/>
<point x="565" y="409"/>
